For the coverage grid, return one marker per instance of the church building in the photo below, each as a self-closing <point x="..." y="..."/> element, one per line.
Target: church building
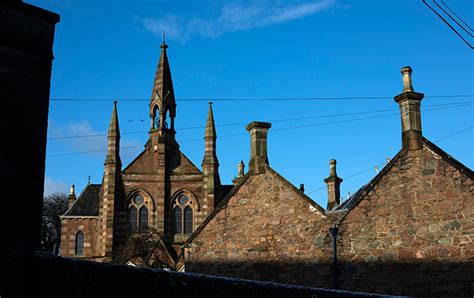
<point x="161" y="190"/>
<point x="407" y="231"/>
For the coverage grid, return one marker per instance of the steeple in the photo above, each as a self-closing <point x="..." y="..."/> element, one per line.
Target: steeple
<point x="210" y="164"/>
<point x="111" y="214"/>
<point x="162" y="98"/>
<point x="113" y="136"/>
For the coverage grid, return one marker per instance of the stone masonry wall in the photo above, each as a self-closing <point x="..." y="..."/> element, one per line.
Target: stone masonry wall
<point x="413" y="234"/>
<point x="267" y="231"/>
<point x="70" y="227"/>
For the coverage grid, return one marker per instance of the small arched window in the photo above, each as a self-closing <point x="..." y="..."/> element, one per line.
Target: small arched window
<point x="143" y="218"/>
<point x="132" y="219"/>
<point x="79" y="243"/>
<point x="183" y="220"/>
<point x="188" y="220"/>
<point x="138" y="215"/>
<point x="156" y="117"/>
<point x="178" y="219"/>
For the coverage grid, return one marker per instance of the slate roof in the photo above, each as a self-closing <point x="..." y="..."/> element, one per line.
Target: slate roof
<point x="87" y="204"/>
<point x="364" y="190"/>
<point x="226" y="189"/>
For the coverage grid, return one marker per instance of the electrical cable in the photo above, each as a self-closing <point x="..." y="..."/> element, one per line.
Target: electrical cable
<point x="217" y="99"/>
<point x="455" y="104"/>
<point x="462" y="27"/>
<point x="372" y="168"/>
<point x="456" y="15"/>
<point x="449" y="25"/>
<point x="242" y="134"/>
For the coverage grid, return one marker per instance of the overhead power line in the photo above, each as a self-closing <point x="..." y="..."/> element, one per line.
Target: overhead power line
<point x="457" y="15"/>
<point x="447" y="23"/>
<point x="427" y="108"/>
<point x="278" y="129"/>
<point x="219" y="99"/>
<point x="451" y="17"/>
<point x="383" y="163"/>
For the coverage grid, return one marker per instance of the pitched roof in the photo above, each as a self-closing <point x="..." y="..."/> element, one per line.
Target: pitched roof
<point x="449" y="159"/>
<point x="234" y="190"/>
<point x="350" y="203"/>
<point x="87" y="204"/>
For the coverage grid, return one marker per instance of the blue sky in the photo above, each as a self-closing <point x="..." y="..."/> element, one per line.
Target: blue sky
<point x="257" y="49"/>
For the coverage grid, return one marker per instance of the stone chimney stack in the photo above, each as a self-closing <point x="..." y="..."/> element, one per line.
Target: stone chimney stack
<point x="409" y="102"/>
<point x="240" y="173"/>
<point x="258" y="146"/>
<point x="333" y="184"/>
<point x="72" y="196"/>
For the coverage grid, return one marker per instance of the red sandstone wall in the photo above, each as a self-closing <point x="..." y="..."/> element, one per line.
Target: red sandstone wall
<point x="267" y="231"/>
<point x="69" y="229"/>
<point x="413" y="233"/>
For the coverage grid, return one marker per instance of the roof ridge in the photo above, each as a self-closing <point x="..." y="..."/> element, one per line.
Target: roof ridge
<point x="448" y="158"/>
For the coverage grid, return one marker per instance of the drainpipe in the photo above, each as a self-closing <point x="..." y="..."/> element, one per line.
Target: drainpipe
<point x="334" y="231"/>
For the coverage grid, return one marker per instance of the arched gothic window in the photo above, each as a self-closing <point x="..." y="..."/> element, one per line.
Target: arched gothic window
<point x="79" y="243"/>
<point x="137" y="220"/>
<point x="156" y="118"/>
<point x="183" y="219"/>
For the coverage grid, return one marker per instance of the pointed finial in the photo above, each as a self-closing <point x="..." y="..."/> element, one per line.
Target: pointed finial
<point x="164" y="45"/>
<point x="89" y="179"/>
<point x="115" y="102"/>
<point x="210" y="103"/>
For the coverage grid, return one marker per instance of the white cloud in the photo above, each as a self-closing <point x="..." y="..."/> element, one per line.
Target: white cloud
<point x="82" y="137"/>
<point x="52" y="185"/>
<point x="235" y="16"/>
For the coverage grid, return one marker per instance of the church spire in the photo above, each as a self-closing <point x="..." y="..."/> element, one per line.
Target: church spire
<point x="113" y="136"/>
<point x="210" y="157"/>
<point x="111" y="200"/>
<point x="162" y="97"/>
<point x="210" y="164"/>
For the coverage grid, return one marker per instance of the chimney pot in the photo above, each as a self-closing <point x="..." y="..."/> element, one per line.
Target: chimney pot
<point x="406" y="78"/>
<point x="240" y="169"/>
<point x="258" y="146"/>
<point x="302" y="188"/>
<point x="333" y="183"/>
<point x="72" y="196"/>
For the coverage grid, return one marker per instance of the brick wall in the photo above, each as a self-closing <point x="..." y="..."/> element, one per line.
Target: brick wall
<point x="69" y="229"/>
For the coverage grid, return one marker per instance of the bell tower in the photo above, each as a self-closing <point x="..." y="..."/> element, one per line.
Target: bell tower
<point x="163" y="104"/>
<point x="162" y="142"/>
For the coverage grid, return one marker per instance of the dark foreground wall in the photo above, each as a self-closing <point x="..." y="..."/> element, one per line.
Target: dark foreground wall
<point x="26" y="41"/>
<point x="63" y="277"/>
<point x="420" y="279"/>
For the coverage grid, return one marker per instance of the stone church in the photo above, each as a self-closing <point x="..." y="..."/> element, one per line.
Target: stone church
<point x="160" y="190"/>
<point x="408" y="231"/>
